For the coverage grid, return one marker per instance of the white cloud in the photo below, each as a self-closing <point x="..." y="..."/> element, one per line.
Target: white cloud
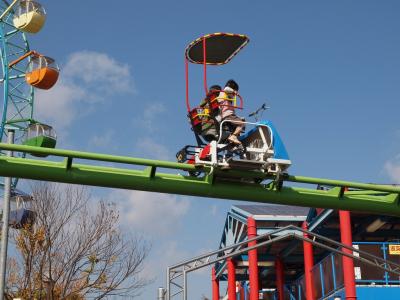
<point x="152" y="149"/>
<point x="169" y="253"/>
<point x="104" y="139"/>
<point x="99" y="70"/>
<point x="86" y="79"/>
<point x="149" y="120"/>
<point x="57" y="105"/>
<point x="166" y="254"/>
<point x="149" y="146"/>
<point x="153" y="213"/>
<point x="392" y="169"/>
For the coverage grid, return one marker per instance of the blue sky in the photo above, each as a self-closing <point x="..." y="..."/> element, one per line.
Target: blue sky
<point x="330" y="70"/>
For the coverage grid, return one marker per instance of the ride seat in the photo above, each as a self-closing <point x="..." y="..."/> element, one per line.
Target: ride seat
<point x="205" y="119"/>
<point x="195" y="120"/>
<point x="202" y="124"/>
<point x="213" y="105"/>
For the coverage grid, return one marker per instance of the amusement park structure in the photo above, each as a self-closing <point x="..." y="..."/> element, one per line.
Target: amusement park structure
<point x="281" y="252"/>
<point x="377" y="199"/>
<point x="255" y="169"/>
<point x="215" y="168"/>
<point x="22" y="70"/>
<point x="261" y="148"/>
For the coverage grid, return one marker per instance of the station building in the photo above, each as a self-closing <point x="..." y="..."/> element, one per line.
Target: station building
<point x="289" y="267"/>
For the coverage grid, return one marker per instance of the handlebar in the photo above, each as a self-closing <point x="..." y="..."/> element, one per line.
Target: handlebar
<point x="259" y="110"/>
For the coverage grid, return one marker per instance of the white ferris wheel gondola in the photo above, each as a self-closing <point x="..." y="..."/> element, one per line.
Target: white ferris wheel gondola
<point x="29" y="16"/>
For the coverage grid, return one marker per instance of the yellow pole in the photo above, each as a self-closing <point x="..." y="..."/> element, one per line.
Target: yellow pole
<point x="8" y="9"/>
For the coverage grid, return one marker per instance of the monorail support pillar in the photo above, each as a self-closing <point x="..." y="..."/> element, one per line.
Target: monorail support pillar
<point x="231" y="279"/>
<point x="280" y="278"/>
<point x="308" y="265"/>
<point x="215" y="285"/>
<point x="348" y="263"/>
<point x="253" y="259"/>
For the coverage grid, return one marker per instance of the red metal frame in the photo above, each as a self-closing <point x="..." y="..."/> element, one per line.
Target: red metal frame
<point x="241" y="292"/>
<point x="193" y="112"/>
<point x="215" y="285"/>
<point x="233" y="106"/>
<point x="280" y="278"/>
<point x="253" y="259"/>
<point x="205" y="72"/>
<point x="348" y="263"/>
<point x="308" y="265"/>
<point x="205" y="152"/>
<point x="205" y="65"/>
<point x="231" y="279"/>
<point x="187" y="83"/>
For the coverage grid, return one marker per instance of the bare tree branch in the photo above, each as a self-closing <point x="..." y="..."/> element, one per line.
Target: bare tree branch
<point x="75" y="249"/>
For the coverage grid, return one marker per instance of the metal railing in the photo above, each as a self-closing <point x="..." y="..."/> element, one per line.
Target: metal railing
<point x="177" y="283"/>
<point x="328" y="273"/>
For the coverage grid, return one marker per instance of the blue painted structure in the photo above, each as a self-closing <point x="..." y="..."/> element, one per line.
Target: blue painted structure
<point x="370" y="293"/>
<point x="277" y="143"/>
<point x="372" y="282"/>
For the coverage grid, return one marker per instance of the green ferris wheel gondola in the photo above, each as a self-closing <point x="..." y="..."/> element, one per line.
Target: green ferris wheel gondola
<point x="40" y="135"/>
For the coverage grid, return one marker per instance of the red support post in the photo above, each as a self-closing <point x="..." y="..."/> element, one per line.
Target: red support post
<point x="187" y="84"/>
<point x="205" y="64"/>
<point x="239" y="291"/>
<point x="348" y="263"/>
<point x="280" y="278"/>
<point x="231" y="279"/>
<point x="215" y="285"/>
<point x="253" y="259"/>
<point x="308" y="264"/>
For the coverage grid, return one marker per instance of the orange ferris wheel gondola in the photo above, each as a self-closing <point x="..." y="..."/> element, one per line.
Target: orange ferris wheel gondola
<point x="42" y="71"/>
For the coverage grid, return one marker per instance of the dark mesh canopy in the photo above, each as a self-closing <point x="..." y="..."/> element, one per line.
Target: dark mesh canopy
<point x="220" y="48"/>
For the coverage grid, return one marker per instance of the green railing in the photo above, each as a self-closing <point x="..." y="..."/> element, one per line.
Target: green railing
<point x="379" y="199"/>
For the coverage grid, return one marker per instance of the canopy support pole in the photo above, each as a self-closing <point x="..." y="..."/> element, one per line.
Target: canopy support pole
<point x="205" y="64"/>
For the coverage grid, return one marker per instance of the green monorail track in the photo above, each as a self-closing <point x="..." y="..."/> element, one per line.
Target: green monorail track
<point x="378" y="199"/>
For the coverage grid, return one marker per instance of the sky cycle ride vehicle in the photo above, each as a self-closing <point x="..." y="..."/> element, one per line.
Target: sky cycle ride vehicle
<point x="261" y="146"/>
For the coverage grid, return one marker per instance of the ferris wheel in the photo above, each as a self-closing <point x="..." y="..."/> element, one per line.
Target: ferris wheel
<point x="23" y="70"/>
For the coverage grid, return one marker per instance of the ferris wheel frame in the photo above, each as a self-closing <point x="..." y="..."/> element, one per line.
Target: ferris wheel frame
<point x="18" y="96"/>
